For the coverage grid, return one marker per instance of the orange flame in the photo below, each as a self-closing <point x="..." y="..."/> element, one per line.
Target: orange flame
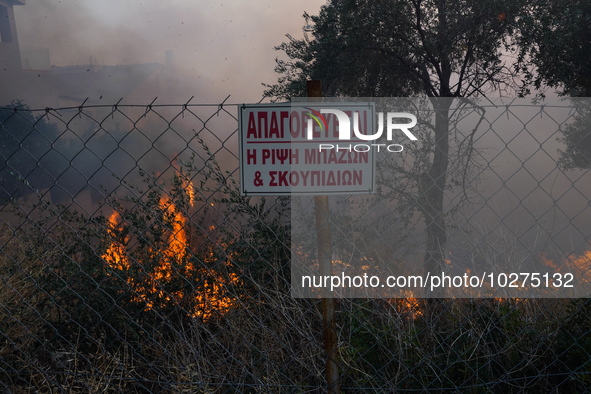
<point x="579" y="266"/>
<point x="115" y="254"/>
<point x="151" y="289"/>
<point x="189" y="190"/>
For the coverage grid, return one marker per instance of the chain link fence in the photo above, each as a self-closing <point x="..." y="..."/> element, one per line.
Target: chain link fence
<point x="131" y="263"/>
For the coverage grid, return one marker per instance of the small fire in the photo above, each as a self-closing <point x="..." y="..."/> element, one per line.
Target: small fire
<point x="115" y="254"/>
<point x="409" y="306"/>
<point x="159" y="286"/>
<point x="579" y="266"/>
<point x="189" y="190"/>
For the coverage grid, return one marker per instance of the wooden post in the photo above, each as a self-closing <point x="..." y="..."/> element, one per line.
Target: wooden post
<point x="314" y="89"/>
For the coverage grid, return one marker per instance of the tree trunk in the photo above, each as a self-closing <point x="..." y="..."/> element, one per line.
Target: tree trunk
<point x="433" y="192"/>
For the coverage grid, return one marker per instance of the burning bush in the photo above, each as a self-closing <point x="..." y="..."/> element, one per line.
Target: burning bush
<point x="168" y="260"/>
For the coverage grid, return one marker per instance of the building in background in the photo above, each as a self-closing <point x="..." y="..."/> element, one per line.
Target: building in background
<point x="27" y="75"/>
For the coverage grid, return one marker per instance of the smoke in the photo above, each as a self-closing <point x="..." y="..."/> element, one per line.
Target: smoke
<point x="223" y="48"/>
<point x="104" y="51"/>
<point x="219" y="48"/>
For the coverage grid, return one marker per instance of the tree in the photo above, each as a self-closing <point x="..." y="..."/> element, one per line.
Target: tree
<point x="555" y="39"/>
<point x="435" y="48"/>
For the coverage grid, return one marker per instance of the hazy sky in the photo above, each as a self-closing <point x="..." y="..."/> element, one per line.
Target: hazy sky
<point x="226" y="45"/>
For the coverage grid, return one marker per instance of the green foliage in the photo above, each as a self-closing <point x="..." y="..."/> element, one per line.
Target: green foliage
<point x="577" y="139"/>
<point x="555" y="39"/>
<point x="555" y="44"/>
<point x="365" y="48"/>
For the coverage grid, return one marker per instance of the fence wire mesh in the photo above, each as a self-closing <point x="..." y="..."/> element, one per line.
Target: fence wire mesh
<point x="131" y="263"/>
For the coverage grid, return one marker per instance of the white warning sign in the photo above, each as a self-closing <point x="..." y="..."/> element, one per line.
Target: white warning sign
<point x="306" y="149"/>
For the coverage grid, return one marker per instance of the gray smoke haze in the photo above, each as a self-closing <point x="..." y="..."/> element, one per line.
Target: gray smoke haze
<point x="107" y="50"/>
<point x="71" y="50"/>
<point x="514" y="207"/>
<point x="220" y="47"/>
